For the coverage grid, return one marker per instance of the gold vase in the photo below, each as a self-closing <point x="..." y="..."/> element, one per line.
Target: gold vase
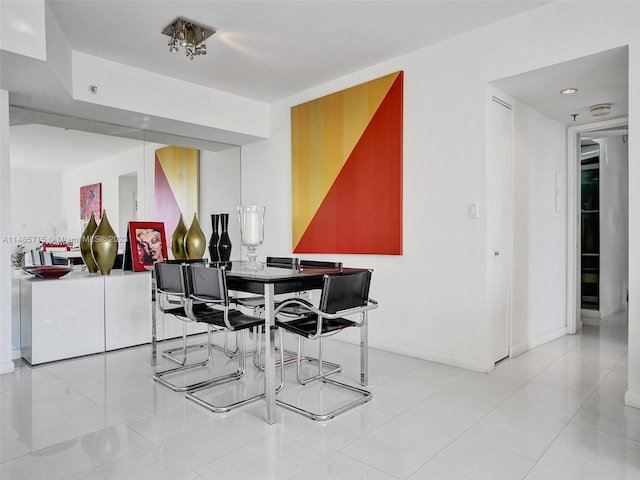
<point x="195" y="242"/>
<point x="85" y="245"/>
<point x="104" y="245"/>
<point x="177" y="240"/>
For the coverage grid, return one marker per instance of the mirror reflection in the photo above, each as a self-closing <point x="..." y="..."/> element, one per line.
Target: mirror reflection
<point x="53" y="156"/>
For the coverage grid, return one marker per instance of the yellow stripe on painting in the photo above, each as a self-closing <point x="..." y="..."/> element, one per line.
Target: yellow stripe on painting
<point x="180" y="167"/>
<point x="324" y="132"/>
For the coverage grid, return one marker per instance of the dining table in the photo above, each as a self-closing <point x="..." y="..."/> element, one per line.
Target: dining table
<point x="268" y="281"/>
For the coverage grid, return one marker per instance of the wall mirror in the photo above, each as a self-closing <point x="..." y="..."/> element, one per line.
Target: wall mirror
<point x="53" y="155"/>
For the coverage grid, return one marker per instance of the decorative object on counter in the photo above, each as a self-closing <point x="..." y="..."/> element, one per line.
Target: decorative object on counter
<point x="148" y="244"/>
<point x="251" y="233"/>
<point x="177" y="240"/>
<point x="85" y="245"/>
<point x="49" y="272"/>
<point x="90" y="201"/>
<point x="17" y="256"/>
<point x="195" y="243"/>
<point x="214" y="256"/>
<point x="104" y="245"/>
<point x="224" y="245"/>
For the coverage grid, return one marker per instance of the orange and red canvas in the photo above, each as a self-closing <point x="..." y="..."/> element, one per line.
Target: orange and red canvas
<point x="346" y="152"/>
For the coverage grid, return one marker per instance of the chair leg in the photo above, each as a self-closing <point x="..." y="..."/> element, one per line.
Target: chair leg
<point x="169" y="353"/>
<point x="160" y="376"/>
<point x="192" y="394"/>
<point x="364" y="395"/>
<point x="300" y="357"/>
<point x="364" y="351"/>
<point x="288" y="355"/>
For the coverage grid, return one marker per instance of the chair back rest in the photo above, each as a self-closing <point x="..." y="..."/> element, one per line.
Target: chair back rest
<point x="46" y="258"/>
<point x="60" y="261"/>
<point x="345" y="290"/>
<point x="169" y="278"/>
<point x="283" y="262"/>
<point x="320" y="264"/>
<point x="35" y="257"/>
<point x="201" y="261"/>
<point x="207" y="284"/>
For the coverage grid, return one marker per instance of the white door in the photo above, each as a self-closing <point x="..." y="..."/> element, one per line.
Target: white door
<point x="499" y="151"/>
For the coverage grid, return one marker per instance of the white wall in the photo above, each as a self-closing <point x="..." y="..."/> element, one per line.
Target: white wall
<point x="6" y="245"/>
<point x="36" y="207"/>
<point x="614" y="225"/>
<point x="107" y="172"/>
<point x="220" y="193"/>
<point x="432" y="298"/>
<point x="127" y="199"/>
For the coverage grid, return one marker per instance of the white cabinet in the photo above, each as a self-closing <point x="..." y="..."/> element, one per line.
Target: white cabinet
<point x="82" y="314"/>
<point x="127" y="310"/>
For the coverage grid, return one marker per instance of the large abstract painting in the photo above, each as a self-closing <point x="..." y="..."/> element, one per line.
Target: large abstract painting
<point x="177" y="181"/>
<point x="346" y="151"/>
<point x="91" y="201"/>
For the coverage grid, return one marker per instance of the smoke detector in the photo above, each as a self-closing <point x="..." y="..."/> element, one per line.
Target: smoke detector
<point x="600" y="110"/>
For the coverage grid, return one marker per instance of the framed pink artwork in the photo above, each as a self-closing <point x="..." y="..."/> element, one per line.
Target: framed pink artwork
<point x="91" y="201"/>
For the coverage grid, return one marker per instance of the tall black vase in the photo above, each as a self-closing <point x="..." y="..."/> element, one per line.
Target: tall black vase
<point x="224" y="245"/>
<point x="214" y="255"/>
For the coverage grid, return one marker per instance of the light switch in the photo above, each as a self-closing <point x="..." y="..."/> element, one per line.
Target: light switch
<point x="472" y="209"/>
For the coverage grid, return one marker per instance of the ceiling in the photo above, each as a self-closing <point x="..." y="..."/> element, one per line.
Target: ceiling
<point x="268" y="50"/>
<point x="599" y="78"/>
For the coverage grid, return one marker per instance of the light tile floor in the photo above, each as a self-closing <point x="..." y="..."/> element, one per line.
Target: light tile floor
<point x="556" y="411"/>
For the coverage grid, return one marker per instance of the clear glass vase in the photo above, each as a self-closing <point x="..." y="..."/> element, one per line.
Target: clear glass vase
<point x="251" y="220"/>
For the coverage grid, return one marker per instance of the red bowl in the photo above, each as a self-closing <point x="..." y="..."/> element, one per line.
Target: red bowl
<point x="47" y="271"/>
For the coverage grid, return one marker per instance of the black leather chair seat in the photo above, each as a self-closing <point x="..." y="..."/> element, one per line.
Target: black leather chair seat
<point x="307" y="326"/>
<point x="237" y="319"/>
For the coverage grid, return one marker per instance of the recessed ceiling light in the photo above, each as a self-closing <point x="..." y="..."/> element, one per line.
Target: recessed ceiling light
<point x="568" y="91"/>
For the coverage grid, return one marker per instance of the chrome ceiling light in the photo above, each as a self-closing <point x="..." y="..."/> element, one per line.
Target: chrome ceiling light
<point x="190" y="36"/>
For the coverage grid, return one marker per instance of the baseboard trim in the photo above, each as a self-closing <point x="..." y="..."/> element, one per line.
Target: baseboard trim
<point x="534" y="342"/>
<point x="632" y="399"/>
<point x="438" y="357"/>
<point x="16" y="354"/>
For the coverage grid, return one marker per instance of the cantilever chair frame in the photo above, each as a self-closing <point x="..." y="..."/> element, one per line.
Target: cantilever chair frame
<point x="171" y="300"/>
<point x="208" y="285"/>
<point x="170" y="353"/>
<point x="324" y="315"/>
<point x="257" y="304"/>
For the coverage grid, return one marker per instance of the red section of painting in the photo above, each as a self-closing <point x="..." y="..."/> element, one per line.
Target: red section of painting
<point x="362" y="212"/>
<point x="166" y="202"/>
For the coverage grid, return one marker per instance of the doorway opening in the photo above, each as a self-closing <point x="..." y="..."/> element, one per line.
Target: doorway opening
<point x="597" y="241"/>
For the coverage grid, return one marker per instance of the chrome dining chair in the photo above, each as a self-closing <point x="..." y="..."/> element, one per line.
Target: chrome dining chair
<point x="344" y="295"/>
<point x="170" y="281"/>
<point x="171" y="296"/>
<point x="208" y="285"/>
<point x="256" y="303"/>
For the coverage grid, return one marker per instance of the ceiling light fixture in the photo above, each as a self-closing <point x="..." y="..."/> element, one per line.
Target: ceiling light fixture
<point x="190" y="36"/>
<point x="569" y="91"/>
